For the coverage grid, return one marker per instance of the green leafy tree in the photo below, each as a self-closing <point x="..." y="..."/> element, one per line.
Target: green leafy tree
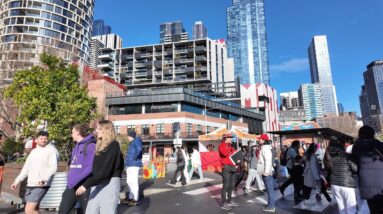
<point x="51" y="94"/>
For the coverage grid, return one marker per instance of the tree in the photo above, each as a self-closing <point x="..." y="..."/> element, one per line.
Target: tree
<point x="51" y="94"/>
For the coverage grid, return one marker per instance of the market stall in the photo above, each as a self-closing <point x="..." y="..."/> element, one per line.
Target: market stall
<point x="208" y="146"/>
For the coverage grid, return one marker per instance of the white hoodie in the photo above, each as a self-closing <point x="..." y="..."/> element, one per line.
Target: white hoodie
<point x="40" y="165"/>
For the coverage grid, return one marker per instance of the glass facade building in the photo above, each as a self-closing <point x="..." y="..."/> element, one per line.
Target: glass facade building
<point x="100" y="28"/>
<point x="30" y="28"/>
<point x="247" y="41"/>
<point x="310" y="98"/>
<point x="373" y="85"/>
<point x="320" y="70"/>
<point x="173" y="32"/>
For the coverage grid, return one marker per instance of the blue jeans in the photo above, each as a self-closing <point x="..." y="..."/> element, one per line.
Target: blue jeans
<point x="199" y="172"/>
<point x="269" y="183"/>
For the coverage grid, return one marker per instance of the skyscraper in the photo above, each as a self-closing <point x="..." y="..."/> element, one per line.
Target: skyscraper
<point x="340" y="108"/>
<point x="310" y="99"/>
<point x="199" y="30"/>
<point x="112" y="41"/>
<point x="247" y="41"/>
<point x="31" y="28"/>
<point x="371" y="98"/>
<point x="173" y="32"/>
<point x="320" y="70"/>
<point x="100" y="28"/>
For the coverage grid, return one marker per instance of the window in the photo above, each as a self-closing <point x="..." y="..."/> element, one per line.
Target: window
<point x="199" y="128"/>
<point x="189" y="128"/>
<point x="131" y="128"/>
<point x="145" y="130"/>
<point x="117" y="129"/>
<point x="160" y="129"/>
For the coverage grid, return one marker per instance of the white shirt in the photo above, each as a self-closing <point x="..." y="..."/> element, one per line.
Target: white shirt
<point x="40" y="165"/>
<point x="196" y="158"/>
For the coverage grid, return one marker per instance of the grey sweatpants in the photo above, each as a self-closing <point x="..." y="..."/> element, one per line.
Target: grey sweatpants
<point x="104" y="198"/>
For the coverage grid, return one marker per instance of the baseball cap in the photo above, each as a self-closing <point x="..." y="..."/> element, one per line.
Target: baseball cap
<point x="263" y="137"/>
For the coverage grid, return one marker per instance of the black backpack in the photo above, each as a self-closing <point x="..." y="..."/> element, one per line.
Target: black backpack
<point x="283" y="157"/>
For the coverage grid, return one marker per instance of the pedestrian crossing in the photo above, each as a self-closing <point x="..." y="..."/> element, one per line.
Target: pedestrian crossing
<point x="214" y="191"/>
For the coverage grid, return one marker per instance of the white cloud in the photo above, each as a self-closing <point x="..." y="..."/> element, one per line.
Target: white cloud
<point x="291" y="66"/>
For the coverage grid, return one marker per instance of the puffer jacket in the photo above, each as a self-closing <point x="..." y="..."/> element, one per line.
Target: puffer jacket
<point x="134" y="153"/>
<point x="340" y="169"/>
<point x="370" y="167"/>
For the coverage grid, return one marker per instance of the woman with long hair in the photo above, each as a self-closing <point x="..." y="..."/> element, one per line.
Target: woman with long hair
<point x="312" y="178"/>
<point x="107" y="168"/>
<point x="341" y="171"/>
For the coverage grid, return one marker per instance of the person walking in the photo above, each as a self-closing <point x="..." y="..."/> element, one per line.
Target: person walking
<point x="228" y="171"/>
<point x="133" y="163"/>
<point x="368" y="154"/>
<point x="312" y="178"/>
<point x="80" y="168"/>
<point x="253" y="172"/>
<point x="340" y="170"/>
<point x="180" y="168"/>
<point x="107" y="168"/>
<point x="297" y="178"/>
<point x="196" y="164"/>
<point x="292" y="152"/>
<point x="265" y="167"/>
<point x="40" y="167"/>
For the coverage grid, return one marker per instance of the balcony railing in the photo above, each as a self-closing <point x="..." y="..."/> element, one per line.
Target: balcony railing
<point x="171" y="136"/>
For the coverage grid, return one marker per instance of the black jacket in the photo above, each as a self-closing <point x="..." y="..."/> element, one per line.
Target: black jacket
<point x="341" y="170"/>
<point x="109" y="163"/>
<point x="370" y="167"/>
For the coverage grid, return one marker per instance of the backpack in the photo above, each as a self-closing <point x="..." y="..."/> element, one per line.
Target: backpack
<point x="283" y="157"/>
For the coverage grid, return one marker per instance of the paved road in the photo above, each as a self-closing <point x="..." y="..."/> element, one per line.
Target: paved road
<point x="203" y="197"/>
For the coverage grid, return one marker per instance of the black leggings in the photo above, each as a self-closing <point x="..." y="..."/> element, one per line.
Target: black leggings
<point x="69" y="200"/>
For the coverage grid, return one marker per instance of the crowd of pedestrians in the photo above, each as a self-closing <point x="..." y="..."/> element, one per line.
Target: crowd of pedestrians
<point x="350" y="170"/>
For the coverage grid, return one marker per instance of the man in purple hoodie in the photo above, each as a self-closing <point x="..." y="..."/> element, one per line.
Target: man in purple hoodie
<point x="80" y="168"/>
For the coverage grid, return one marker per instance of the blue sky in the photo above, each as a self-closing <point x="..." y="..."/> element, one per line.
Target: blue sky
<point x="354" y="32"/>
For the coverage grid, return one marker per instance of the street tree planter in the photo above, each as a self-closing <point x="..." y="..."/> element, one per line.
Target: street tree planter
<point x="16" y="196"/>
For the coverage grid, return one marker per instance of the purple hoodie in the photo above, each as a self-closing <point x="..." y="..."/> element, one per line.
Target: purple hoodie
<point x="80" y="166"/>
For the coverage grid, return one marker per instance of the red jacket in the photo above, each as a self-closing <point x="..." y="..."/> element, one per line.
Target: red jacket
<point x="225" y="150"/>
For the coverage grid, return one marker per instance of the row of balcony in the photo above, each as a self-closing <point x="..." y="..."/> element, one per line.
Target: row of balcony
<point x="170" y="136"/>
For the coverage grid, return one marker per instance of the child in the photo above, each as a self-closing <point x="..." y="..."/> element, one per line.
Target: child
<point x="297" y="177"/>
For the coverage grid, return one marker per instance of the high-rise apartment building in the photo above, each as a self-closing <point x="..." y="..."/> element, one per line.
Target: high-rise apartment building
<point x="199" y="31"/>
<point x="100" y="28"/>
<point x="320" y="69"/>
<point x="112" y="41"/>
<point x="30" y="28"/>
<point x="289" y="100"/>
<point x="193" y="61"/>
<point x="173" y="32"/>
<point x="310" y="99"/>
<point x="371" y="98"/>
<point x="247" y="41"/>
<point x="95" y="52"/>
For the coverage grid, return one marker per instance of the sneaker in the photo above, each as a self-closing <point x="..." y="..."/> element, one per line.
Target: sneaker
<point x="133" y="203"/>
<point x="268" y="210"/>
<point x="233" y="204"/>
<point x="245" y="190"/>
<point x="225" y="206"/>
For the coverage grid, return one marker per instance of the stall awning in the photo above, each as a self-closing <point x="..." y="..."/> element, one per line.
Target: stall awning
<point x="218" y="134"/>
